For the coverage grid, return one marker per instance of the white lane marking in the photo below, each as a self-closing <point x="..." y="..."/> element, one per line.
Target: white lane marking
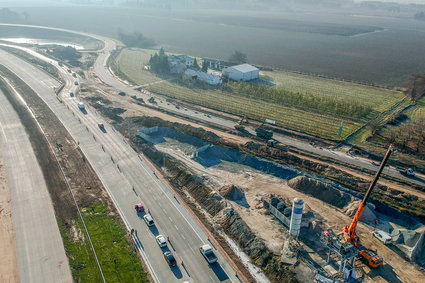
<point x="3" y="132"/>
<point x="176" y="227"/>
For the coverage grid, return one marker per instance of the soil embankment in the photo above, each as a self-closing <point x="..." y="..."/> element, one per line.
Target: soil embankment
<point x="385" y="194"/>
<point x="320" y="190"/>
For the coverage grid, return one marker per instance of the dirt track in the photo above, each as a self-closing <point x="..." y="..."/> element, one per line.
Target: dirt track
<point x="8" y="259"/>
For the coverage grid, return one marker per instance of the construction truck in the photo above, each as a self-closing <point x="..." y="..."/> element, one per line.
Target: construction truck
<point x="408" y="172"/>
<point x="349" y="232"/>
<point x="263" y="133"/>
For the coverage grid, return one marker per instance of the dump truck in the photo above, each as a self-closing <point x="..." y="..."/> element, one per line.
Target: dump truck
<point x="208" y="253"/>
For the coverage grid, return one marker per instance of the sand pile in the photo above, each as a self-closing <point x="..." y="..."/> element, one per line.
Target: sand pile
<point x="368" y="215"/>
<point x="320" y="190"/>
<point x="412" y="243"/>
<point x="231" y="192"/>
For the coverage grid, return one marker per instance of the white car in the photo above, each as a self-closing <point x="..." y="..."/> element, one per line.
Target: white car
<point x="148" y="219"/>
<point x="382" y="236"/>
<point x="162" y="242"/>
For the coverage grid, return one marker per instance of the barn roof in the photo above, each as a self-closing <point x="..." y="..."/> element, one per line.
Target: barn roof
<point x="244" y="68"/>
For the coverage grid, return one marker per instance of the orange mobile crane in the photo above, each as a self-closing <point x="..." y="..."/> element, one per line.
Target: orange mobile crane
<point x="349" y="232"/>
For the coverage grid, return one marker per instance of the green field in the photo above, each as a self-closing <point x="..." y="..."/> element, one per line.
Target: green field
<point x="379" y="99"/>
<point x="116" y="255"/>
<point x="129" y="64"/>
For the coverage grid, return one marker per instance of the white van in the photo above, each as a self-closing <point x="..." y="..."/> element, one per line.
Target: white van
<point x="382" y="236"/>
<point x="81" y="105"/>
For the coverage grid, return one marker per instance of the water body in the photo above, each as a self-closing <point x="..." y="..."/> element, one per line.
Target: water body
<point x="23" y="40"/>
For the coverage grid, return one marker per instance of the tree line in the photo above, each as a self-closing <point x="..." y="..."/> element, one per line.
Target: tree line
<point x="415" y="87"/>
<point x="409" y="136"/>
<point x="135" y="39"/>
<point x="159" y="62"/>
<point x="320" y="104"/>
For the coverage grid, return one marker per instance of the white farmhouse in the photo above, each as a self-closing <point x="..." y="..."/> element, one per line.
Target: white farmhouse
<point x="179" y="63"/>
<point x="244" y="72"/>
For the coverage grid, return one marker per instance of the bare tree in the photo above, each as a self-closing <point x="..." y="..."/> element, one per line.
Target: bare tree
<point x="238" y="57"/>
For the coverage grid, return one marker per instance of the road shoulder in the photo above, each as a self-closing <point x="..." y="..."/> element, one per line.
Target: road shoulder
<point x="8" y="259"/>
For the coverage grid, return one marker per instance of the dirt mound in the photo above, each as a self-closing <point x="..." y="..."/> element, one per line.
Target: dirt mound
<point x="320" y="190"/>
<point x="367" y="216"/>
<point x="232" y="192"/>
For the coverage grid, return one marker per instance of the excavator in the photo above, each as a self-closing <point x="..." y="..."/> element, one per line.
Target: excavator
<point x="349" y="232"/>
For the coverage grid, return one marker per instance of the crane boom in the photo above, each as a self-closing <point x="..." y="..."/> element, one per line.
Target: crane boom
<point x="350" y="231"/>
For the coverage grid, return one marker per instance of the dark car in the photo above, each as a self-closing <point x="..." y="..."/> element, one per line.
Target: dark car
<point x="169" y="258"/>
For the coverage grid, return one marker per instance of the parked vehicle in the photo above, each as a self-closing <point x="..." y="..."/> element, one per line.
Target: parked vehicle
<point x="75" y="83"/>
<point x="81" y="105"/>
<point x="162" y="242"/>
<point x="169" y="258"/>
<point x="208" y="253"/>
<point x="382" y="236"/>
<point x="148" y="219"/>
<point x="101" y="126"/>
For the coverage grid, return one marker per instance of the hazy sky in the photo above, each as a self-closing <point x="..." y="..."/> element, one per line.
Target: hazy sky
<point x="9" y="2"/>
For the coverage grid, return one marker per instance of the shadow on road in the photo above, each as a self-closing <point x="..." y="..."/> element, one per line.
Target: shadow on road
<point x="141" y="214"/>
<point x="177" y="272"/>
<point x="386" y="272"/>
<point x="154" y="230"/>
<point x="138" y="243"/>
<point x="219" y="272"/>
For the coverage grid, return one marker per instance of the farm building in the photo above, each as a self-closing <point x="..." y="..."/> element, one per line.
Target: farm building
<point x="211" y="79"/>
<point x="244" y="72"/>
<point x="179" y="63"/>
<point x="215" y="64"/>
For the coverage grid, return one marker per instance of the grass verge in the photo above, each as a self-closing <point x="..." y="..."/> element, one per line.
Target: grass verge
<point x="116" y="255"/>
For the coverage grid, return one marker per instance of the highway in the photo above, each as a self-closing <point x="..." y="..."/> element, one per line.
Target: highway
<point x="121" y="169"/>
<point x="40" y="251"/>
<point x="104" y="73"/>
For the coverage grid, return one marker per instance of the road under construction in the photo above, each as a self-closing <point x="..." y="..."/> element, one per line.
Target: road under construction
<point x="254" y="178"/>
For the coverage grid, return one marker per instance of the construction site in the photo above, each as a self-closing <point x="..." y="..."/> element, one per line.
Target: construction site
<point x="261" y="194"/>
<point x="280" y="213"/>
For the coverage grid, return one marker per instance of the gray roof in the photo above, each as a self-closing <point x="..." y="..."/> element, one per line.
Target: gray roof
<point x="245" y="68"/>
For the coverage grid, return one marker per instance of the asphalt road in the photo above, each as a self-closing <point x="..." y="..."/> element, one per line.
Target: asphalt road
<point x="120" y="169"/>
<point x="41" y="254"/>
